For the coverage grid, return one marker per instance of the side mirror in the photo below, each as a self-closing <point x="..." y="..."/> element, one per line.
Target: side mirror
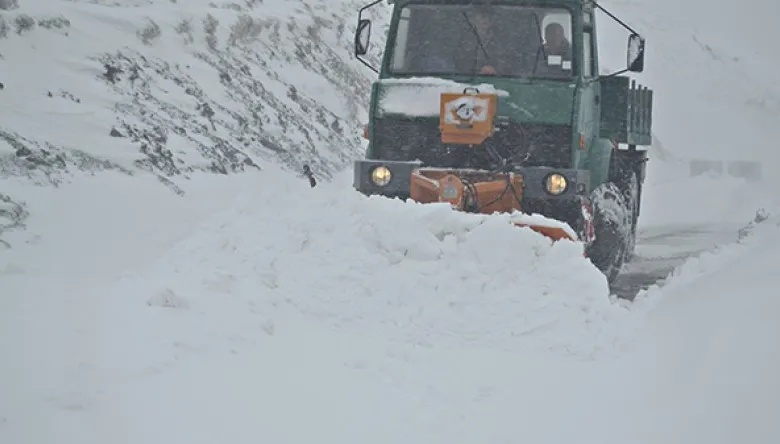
<point x="636" y="53"/>
<point x="362" y="36"/>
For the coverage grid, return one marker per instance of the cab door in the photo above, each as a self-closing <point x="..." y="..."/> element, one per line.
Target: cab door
<point x="596" y="154"/>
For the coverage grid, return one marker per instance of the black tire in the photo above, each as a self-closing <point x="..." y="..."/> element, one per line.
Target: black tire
<point x="631" y="195"/>
<point x="612" y="226"/>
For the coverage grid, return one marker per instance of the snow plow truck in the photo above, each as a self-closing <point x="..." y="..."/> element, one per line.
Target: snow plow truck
<point x="499" y="106"/>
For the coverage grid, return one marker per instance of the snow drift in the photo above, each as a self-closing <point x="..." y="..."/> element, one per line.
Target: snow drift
<point x="705" y="357"/>
<point x="365" y="319"/>
<point x="324" y="303"/>
<point x="418" y="273"/>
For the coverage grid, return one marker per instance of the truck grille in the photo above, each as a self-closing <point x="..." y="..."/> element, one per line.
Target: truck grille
<point x="419" y="139"/>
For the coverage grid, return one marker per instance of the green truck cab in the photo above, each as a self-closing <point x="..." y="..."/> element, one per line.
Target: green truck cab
<point x="578" y="138"/>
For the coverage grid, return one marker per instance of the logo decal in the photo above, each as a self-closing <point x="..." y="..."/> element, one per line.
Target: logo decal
<point x="465" y="111"/>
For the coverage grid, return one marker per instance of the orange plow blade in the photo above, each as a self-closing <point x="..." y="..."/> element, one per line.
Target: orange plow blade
<point x="554" y="233"/>
<point x="486" y="193"/>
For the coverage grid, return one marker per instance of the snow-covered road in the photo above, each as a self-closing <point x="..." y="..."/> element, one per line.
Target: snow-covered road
<point x="663" y="248"/>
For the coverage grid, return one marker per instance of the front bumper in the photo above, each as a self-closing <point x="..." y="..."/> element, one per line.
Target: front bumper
<point x="399" y="184"/>
<point x="533" y="177"/>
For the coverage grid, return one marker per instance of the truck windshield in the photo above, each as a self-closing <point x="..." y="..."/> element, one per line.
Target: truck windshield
<point x="503" y="41"/>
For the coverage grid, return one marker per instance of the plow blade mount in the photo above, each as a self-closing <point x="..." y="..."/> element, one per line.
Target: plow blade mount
<point x="481" y="192"/>
<point x="748" y="170"/>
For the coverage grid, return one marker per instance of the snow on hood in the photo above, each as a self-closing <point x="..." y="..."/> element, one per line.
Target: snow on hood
<point x="419" y="96"/>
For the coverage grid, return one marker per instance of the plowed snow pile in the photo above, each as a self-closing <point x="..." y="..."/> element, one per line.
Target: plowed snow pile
<point x="392" y="270"/>
<point x="302" y="315"/>
<point x="295" y="315"/>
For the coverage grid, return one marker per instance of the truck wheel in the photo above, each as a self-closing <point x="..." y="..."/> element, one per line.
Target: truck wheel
<point x="631" y="194"/>
<point x="612" y="226"/>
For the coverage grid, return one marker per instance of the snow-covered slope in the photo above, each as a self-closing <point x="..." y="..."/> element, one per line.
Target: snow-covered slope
<point x="173" y="87"/>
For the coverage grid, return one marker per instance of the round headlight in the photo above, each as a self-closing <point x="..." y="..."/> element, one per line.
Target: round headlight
<point x="555" y="184"/>
<point x="381" y="176"/>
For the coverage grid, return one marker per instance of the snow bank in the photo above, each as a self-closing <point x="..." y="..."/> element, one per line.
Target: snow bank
<point x="358" y="316"/>
<point x="366" y="319"/>
<point x="707" y="355"/>
<point x="416" y="273"/>
<point x="90" y="231"/>
<point x="753" y="236"/>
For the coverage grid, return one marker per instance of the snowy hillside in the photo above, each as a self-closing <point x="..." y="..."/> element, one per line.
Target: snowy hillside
<point x="173" y="88"/>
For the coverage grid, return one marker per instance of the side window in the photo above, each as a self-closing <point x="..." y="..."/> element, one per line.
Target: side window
<point x="587" y="53"/>
<point x="557" y="39"/>
<point x="399" y="50"/>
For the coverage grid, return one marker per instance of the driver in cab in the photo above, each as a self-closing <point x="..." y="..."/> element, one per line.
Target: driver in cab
<point x="488" y="49"/>
<point x="484" y="47"/>
<point x="508" y="53"/>
<point x="557" y="50"/>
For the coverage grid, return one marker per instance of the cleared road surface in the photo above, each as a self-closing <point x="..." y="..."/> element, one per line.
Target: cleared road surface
<point x="660" y="249"/>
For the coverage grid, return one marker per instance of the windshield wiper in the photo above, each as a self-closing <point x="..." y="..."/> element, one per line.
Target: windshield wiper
<point x="479" y="42"/>
<point x="539" y="49"/>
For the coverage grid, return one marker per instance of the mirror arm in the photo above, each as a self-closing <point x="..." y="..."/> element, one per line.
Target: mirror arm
<point x="612" y="16"/>
<point x="370" y="5"/>
<point x="371" y="67"/>
<point x="606" y="76"/>
<point x="621" y="23"/>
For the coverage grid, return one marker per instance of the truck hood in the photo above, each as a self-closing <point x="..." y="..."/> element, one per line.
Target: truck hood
<point x="538" y="102"/>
